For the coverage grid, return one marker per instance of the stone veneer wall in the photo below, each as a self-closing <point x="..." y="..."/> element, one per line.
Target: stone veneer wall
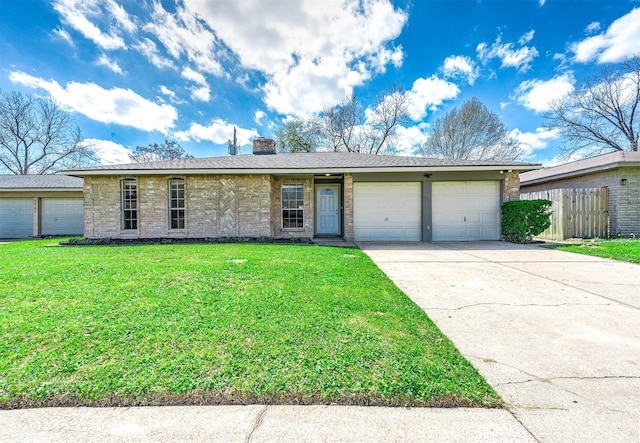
<point x="511" y="190"/>
<point x="624" y="200"/>
<point x="347" y="204"/>
<point x="216" y="206"/>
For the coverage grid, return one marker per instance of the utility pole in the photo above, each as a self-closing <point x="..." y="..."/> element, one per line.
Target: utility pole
<point x="233" y="146"/>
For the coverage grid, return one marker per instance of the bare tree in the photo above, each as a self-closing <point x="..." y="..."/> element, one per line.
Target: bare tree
<point x="383" y="120"/>
<point x="169" y="150"/>
<point x="299" y="135"/>
<point x="342" y="123"/>
<point x="350" y="127"/>
<point x="471" y="132"/>
<point x="38" y="137"/>
<point x="601" y="116"/>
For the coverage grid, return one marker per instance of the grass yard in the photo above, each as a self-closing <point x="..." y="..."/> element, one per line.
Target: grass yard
<point x="217" y="324"/>
<point x="623" y="250"/>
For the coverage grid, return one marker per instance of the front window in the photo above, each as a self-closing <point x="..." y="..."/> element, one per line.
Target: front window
<point x="176" y="204"/>
<point x="293" y="206"/>
<point x="129" y="204"/>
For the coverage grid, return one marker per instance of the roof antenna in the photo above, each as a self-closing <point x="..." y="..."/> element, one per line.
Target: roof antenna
<point x="233" y="146"/>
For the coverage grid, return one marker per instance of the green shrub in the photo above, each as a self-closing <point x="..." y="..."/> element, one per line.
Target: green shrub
<point x="523" y="219"/>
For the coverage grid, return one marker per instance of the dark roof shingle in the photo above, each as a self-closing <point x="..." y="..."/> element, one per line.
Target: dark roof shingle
<point x="299" y="162"/>
<point x="583" y="166"/>
<point x="13" y="182"/>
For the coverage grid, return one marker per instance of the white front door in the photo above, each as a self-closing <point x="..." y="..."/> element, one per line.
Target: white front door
<point x="328" y="209"/>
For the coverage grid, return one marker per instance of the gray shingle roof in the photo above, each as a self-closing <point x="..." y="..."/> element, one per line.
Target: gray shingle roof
<point x="301" y="162"/>
<point x="581" y="167"/>
<point x="32" y="182"/>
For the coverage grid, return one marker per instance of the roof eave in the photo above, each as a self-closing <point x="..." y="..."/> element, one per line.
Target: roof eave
<point x="309" y="171"/>
<point x="576" y="173"/>
<point x="79" y="189"/>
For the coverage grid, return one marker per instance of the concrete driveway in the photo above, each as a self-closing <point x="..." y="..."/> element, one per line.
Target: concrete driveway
<point x="556" y="334"/>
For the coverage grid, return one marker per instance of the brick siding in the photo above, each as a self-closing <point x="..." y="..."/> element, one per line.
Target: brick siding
<point x="277" y="231"/>
<point x="216" y="206"/>
<point x="511" y="190"/>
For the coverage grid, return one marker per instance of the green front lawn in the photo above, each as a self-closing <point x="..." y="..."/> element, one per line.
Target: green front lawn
<point x="214" y="324"/>
<point x="623" y="250"/>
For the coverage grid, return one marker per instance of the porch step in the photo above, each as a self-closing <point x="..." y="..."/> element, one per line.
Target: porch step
<point x="338" y="242"/>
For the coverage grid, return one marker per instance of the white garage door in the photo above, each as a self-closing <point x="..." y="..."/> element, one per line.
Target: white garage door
<point x="62" y="216"/>
<point x="466" y="210"/>
<point x="387" y="211"/>
<point x="16" y="217"/>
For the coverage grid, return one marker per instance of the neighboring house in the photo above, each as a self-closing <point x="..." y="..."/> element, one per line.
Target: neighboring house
<point x="284" y="195"/>
<point x="40" y="205"/>
<point x="618" y="171"/>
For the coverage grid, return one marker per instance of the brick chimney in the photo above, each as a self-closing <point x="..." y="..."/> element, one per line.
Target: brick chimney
<point x="263" y="145"/>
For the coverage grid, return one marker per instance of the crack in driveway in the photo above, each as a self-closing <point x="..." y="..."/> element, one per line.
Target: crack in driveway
<point x="543" y="305"/>
<point x="257" y="424"/>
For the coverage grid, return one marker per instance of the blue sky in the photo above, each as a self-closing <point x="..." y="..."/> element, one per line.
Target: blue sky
<point x="134" y="72"/>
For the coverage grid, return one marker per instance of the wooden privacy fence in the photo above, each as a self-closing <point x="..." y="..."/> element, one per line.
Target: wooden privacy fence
<point x="576" y="213"/>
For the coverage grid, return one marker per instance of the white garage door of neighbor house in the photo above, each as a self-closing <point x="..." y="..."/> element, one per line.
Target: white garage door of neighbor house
<point x="16" y="217"/>
<point x="466" y="210"/>
<point x="62" y="216"/>
<point x="387" y="211"/>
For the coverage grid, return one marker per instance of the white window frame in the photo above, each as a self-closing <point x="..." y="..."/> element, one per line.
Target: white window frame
<point x="292" y="204"/>
<point x="129" y="202"/>
<point x="177" y="204"/>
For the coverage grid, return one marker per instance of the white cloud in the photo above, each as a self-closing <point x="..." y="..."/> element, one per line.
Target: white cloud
<point x="618" y="42"/>
<point x="526" y="38"/>
<point x="259" y="116"/>
<point x="532" y="141"/>
<point x="409" y="139"/>
<point x="381" y="59"/>
<point x="77" y="14"/>
<point x="218" y="132"/>
<point x="429" y="93"/>
<point x="109" y="153"/>
<point x="537" y="95"/>
<point x="168" y="92"/>
<point x="183" y="33"/>
<point x="203" y="92"/>
<point x="541" y="2"/>
<point x="121" y="16"/>
<point x="460" y="66"/>
<point x="149" y="49"/>
<point x="194" y="76"/>
<point x="115" y="105"/>
<point x="592" y="28"/>
<point x="312" y="53"/>
<point x="511" y="57"/>
<point x="105" y="61"/>
<point x="64" y="35"/>
<point x="311" y="85"/>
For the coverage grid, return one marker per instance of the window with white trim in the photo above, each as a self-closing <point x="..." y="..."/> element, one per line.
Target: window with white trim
<point x="292" y="206"/>
<point x="129" y="204"/>
<point x="176" y="203"/>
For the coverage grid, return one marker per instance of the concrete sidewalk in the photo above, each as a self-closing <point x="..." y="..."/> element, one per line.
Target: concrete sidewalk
<point x="259" y="424"/>
<point x="556" y="334"/>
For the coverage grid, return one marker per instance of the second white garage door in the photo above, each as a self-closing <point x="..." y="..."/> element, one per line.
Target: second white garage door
<point x="62" y="216"/>
<point x="466" y="210"/>
<point x="387" y="211"/>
